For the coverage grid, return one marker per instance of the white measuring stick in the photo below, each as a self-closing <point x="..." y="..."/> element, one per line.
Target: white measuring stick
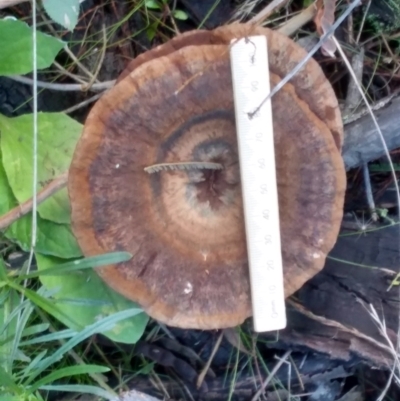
<point x="251" y="85"/>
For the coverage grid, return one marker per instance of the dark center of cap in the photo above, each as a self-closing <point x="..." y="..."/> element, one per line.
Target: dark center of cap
<point x="214" y="189"/>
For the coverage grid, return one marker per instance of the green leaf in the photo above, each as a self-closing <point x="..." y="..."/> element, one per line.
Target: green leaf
<point x="52" y="238"/>
<point x="8" y="325"/>
<point x="64" y="12"/>
<point x="80" y="389"/>
<point x="152" y="4"/>
<point x="7" y="200"/>
<point x="35" y="329"/>
<point x="86" y="297"/>
<point x="9" y="397"/>
<point x="16" y="48"/>
<point x="3" y="270"/>
<point x="152" y="30"/>
<point x="57" y="137"/>
<point x="33" y="365"/>
<point x="7" y="381"/>
<point x="69" y="371"/>
<point x="181" y="15"/>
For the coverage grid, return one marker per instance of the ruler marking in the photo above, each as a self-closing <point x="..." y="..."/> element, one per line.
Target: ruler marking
<point x="250" y="77"/>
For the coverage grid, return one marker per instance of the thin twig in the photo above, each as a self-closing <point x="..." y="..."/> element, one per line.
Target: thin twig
<point x="79" y="64"/>
<point x="272" y="7"/>
<point x="24" y="208"/>
<point x="69" y="74"/>
<point x="295" y="23"/>
<point x="172" y="18"/>
<point x="305" y="60"/>
<point x="393" y="57"/>
<point x="204" y="371"/>
<point x="244" y="10"/>
<point x="351" y="117"/>
<point x="363" y="22"/>
<point x="101" y="60"/>
<point x="82" y="104"/>
<point x="271" y="375"/>
<point x="64" y="87"/>
<point x="69" y="52"/>
<point x="353" y="97"/>
<point x="381" y="324"/>
<point x="368" y="192"/>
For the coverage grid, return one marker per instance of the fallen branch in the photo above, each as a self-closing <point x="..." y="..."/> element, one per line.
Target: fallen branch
<point x="101" y="86"/>
<point x="26" y="207"/>
<point x="362" y="143"/>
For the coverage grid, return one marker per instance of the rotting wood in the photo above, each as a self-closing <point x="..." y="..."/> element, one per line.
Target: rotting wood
<point x="362" y="142"/>
<point x="329" y="314"/>
<point x="315" y="367"/>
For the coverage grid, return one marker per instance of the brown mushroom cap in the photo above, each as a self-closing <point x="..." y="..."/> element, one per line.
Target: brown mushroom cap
<point x="185" y="228"/>
<point x="311" y="83"/>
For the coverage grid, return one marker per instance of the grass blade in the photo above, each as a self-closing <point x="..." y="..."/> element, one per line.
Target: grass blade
<point x="102" y="325"/>
<point x="80" y="388"/>
<point x="59" y="335"/>
<point x="68" y="371"/>
<point x="7" y="381"/>
<point x="43" y="303"/>
<point x="80" y="264"/>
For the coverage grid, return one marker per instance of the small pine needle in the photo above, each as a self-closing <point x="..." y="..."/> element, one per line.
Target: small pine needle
<point x="155" y="168"/>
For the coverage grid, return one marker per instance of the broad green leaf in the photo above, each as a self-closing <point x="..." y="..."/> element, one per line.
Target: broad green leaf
<point x="86" y="297"/>
<point x="52" y="238"/>
<point x="68" y="371"/>
<point x="64" y="12"/>
<point x="16" y="48"/>
<point x="57" y="137"/>
<point x="7" y="200"/>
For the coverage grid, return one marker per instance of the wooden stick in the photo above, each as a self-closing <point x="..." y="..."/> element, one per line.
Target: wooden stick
<point x="272" y="7"/>
<point x="295" y="23"/>
<point x="24" y="208"/>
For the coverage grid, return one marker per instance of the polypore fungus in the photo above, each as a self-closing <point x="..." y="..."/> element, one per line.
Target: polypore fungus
<point x="185" y="228"/>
